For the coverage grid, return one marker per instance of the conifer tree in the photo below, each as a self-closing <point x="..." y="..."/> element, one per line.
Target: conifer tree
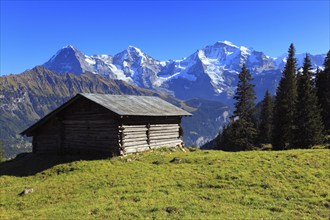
<point x="266" y="119"/>
<point x="240" y="134"/>
<point x="285" y="102"/>
<point x="245" y="97"/>
<point x="223" y="140"/>
<point x="323" y="92"/>
<point x="308" y="121"/>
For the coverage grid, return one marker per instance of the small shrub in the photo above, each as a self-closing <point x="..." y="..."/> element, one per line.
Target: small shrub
<point x="154" y="209"/>
<point x="176" y="160"/>
<point x="276" y="209"/>
<point x="157" y="162"/>
<point x="172" y="210"/>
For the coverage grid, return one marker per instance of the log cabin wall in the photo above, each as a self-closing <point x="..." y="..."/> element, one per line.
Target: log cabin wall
<point x="89" y="127"/>
<point x="142" y="133"/>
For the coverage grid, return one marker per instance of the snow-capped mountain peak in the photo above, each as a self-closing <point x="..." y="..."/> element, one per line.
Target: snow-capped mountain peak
<point x="227" y="43"/>
<point x="131" y="55"/>
<point x="133" y="49"/>
<point x="211" y="72"/>
<point x="66" y="60"/>
<point x="69" y="46"/>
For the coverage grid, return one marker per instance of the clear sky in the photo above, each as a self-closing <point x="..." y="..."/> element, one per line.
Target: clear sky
<point x="32" y="31"/>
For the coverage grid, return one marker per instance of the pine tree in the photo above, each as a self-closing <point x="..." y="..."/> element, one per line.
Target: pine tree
<point x="245" y="97"/>
<point x="285" y="102"/>
<point x="266" y="119"/>
<point x="308" y="119"/>
<point x="243" y="135"/>
<point x="223" y="140"/>
<point x="240" y="134"/>
<point x="323" y="92"/>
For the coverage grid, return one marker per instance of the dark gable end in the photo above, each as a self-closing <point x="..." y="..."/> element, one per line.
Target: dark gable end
<point x="28" y="131"/>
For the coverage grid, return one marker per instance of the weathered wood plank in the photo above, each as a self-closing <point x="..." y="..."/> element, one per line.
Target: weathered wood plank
<point x="82" y="121"/>
<point x="109" y="149"/>
<point x="167" y="137"/>
<point x="136" y="149"/>
<point x="90" y="144"/>
<point x="164" y="127"/>
<point x="91" y="134"/>
<point x="132" y="132"/>
<point x="136" y="146"/>
<point x="90" y="140"/>
<point x="95" y="126"/>
<point x="162" y="141"/>
<point x="135" y="143"/>
<point x="139" y="138"/>
<point x="77" y="146"/>
<point x="132" y="136"/>
<point x="160" y="134"/>
<point x="166" y="144"/>
<point x="166" y="132"/>
<point x="133" y="126"/>
<point x="134" y="129"/>
<point x="174" y="130"/>
<point x="94" y="132"/>
<point x="150" y="120"/>
<point x="70" y="129"/>
<point x="48" y="135"/>
<point x="91" y="127"/>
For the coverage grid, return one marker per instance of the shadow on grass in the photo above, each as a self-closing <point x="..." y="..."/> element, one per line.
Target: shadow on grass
<point x="28" y="164"/>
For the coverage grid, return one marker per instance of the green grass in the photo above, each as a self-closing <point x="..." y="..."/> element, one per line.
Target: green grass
<point x="199" y="185"/>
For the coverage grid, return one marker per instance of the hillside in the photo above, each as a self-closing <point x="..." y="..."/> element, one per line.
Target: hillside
<point x="196" y="185"/>
<point x="26" y="97"/>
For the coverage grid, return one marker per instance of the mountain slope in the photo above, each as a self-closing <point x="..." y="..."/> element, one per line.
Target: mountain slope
<point x="27" y="97"/>
<point x="207" y="119"/>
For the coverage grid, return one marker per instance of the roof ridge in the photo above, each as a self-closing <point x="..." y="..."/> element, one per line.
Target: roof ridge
<point x="82" y="93"/>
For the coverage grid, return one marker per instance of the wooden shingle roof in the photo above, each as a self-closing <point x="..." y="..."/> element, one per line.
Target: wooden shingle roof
<point x="124" y="105"/>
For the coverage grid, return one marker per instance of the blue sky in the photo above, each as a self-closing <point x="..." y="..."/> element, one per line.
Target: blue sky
<point x="32" y="31"/>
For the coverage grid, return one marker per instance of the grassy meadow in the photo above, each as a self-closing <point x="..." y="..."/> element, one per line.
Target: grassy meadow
<point x="162" y="184"/>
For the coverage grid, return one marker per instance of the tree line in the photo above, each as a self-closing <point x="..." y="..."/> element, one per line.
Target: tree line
<point x="297" y="117"/>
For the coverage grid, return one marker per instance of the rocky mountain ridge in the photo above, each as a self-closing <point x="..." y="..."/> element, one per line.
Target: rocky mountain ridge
<point x="209" y="73"/>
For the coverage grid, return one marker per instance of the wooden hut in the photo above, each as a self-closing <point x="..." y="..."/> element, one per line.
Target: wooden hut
<point x="113" y="124"/>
